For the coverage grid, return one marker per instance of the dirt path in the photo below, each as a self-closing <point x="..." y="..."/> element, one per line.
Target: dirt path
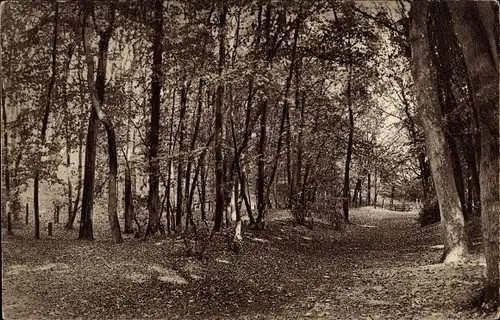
<point x="381" y="267"/>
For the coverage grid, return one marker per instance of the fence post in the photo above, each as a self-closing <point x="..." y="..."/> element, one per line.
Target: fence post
<point x="50" y="229"/>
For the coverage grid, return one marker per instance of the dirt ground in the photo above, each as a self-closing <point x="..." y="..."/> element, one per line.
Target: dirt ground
<point x="383" y="266"/>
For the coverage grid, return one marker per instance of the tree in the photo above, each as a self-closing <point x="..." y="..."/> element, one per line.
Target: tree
<point x="424" y="74"/>
<point x="156" y="81"/>
<point x="108" y="125"/>
<point x="86" y="227"/>
<point x="474" y="25"/>
<point x="45" y="119"/>
<point x="220" y="182"/>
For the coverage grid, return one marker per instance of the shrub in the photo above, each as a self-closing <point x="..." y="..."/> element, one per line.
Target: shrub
<point x="429" y="213"/>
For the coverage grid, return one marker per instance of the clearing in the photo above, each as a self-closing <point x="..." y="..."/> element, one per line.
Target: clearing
<point x="383" y="266"/>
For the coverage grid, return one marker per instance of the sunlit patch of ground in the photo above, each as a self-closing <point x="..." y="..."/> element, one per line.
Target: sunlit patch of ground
<point x="383" y="266"/>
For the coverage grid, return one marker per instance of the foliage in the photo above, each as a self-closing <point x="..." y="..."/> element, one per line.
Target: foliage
<point x="429" y="213"/>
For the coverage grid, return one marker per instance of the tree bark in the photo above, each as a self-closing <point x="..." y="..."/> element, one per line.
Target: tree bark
<point x="180" y="164"/>
<point x="154" y="133"/>
<point x="189" y="197"/>
<point x="423" y="70"/>
<point x="346" y="190"/>
<point x="108" y="125"/>
<point x="219" y="170"/>
<point x="474" y="26"/>
<point x="45" y="122"/>
<point x="86" y="225"/>
<point x="6" y="169"/>
<point x="369" y="190"/>
<point x="71" y="218"/>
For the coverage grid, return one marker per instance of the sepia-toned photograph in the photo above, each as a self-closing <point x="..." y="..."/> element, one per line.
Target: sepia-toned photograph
<point x="250" y="159"/>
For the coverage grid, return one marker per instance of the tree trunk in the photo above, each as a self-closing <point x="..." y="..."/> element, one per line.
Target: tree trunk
<point x="108" y="125"/>
<point x="86" y="225"/>
<point x="392" y="197"/>
<point x="345" y="194"/>
<point x="45" y="122"/>
<point x="180" y="165"/>
<point x="154" y="133"/>
<point x="71" y="218"/>
<point x="357" y="190"/>
<point x="375" y="190"/>
<point x="474" y="26"/>
<point x="188" y="195"/>
<point x="219" y="170"/>
<point x="128" y="201"/>
<point x="369" y="190"/>
<point x="68" y="130"/>
<point x="455" y="239"/>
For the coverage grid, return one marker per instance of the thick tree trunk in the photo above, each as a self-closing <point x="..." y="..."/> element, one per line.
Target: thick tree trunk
<point x="86" y="225"/>
<point x="108" y="125"/>
<point x="458" y="173"/>
<point x="455" y="239"/>
<point x="474" y="26"/>
<point x="219" y="170"/>
<point x="45" y="123"/>
<point x="154" y="133"/>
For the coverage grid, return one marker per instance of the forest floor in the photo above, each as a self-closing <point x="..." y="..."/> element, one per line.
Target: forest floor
<point x="383" y="266"/>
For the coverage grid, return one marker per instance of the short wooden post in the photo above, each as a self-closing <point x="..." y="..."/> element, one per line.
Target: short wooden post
<point x="27" y="213"/>
<point x="58" y="209"/>
<point x="49" y="229"/>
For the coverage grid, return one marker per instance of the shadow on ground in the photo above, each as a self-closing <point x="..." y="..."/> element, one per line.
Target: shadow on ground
<point x="383" y="266"/>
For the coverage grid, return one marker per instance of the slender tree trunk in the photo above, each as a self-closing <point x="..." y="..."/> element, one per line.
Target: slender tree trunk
<point x="219" y="170"/>
<point x="171" y="146"/>
<point x="68" y="133"/>
<point x="474" y="26"/>
<point x="180" y="165"/>
<point x="375" y="191"/>
<point x="345" y="194"/>
<point x="455" y="239"/>
<point x="71" y="218"/>
<point x="108" y="125"/>
<point x="45" y="122"/>
<point x="189" y="197"/>
<point x="285" y="106"/>
<point x="156" y="81"/>
<point x="357" y="190"/>
<point x="6" y="169"/>
<point x="128" y="200"/>
<point x="369" y="190"/>
<point x="392" y="197"/>
<point x="360" y="194"/>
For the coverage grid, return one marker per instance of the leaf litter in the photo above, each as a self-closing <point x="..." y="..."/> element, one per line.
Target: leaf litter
<point x="387" y="272"/>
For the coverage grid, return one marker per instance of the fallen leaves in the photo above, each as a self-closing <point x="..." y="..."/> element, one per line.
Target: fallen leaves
<point x="286" y="272"/>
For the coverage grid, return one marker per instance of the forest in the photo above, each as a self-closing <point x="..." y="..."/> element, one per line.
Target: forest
<point x="252" y="159"/>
